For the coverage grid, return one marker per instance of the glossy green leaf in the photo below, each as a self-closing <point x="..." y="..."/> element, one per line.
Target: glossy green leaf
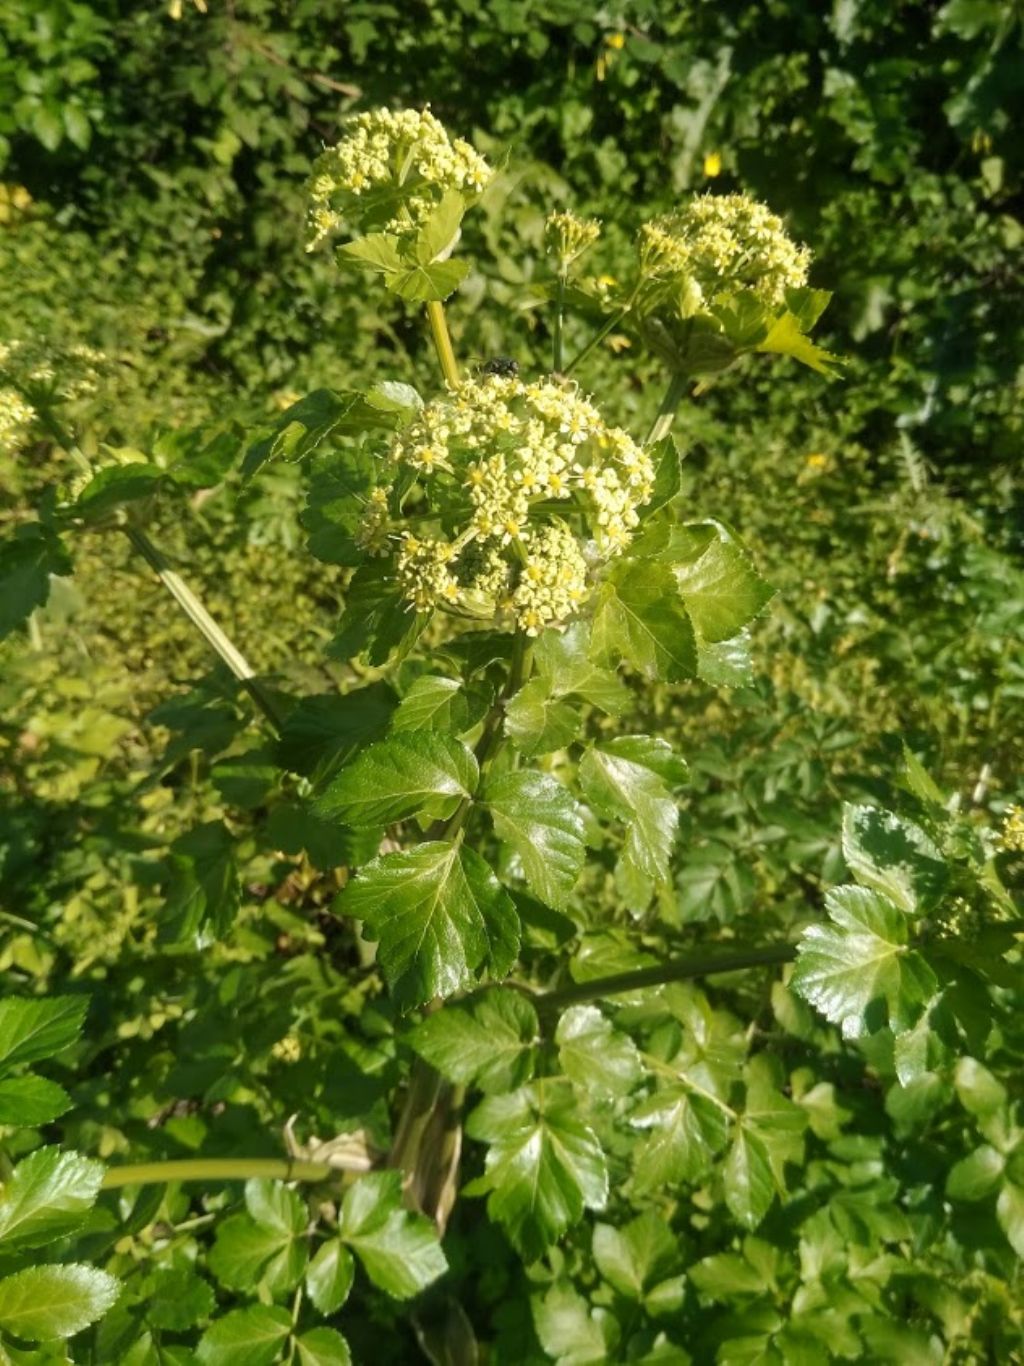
<point x="47" y="1195"/>
<point x="1010" y="1213"/>
<point x="329" y="1276"/>
<point x="541" y="821"/>
<point x="636" y="1256"/>
<point x="786" y="338"/>
<point x="640" y="619"/>
<point x="399" y="1251"/>
<point x="245" y="1337"/>
<point x="748" y="1179"/>
<point x="38" y="1027"/>
<point x="685" y="1132"/>
<point x="440" y="916"/>
<point x="490" y="1041"/>
<point x="265" y="1245"/>
<point x="28" y="1101"/>
<point x="177" y="1299"/>
<point x="400" y="777"/>
<point x="44" y="1302"/>
<point x="377" y="620"/>
<point x="323" y="1347"/>
<point x="717" y="580"/>
<point x="976" y="1176"/>
<point x="894" y="856"/>
<point x="539" y="720"/>
<point x="600" y="1059"/>
<point x="859" y="969"/>
<point x="544" y="1165"/>
<point x="571" y="1331"/>
<point x="433" y="703"/>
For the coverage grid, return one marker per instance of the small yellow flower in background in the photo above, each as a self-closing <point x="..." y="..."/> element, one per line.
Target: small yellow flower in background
<point x="617" y="342"/>
<point x="712" y="165"/>
<point x="981" y="142"/>
<point x="615" y="40"/>
<point x="1011" y="837"/>
<point x="14" y="201"/>
<point x="817" y="461"/>
<point x="174" y="7"/>
<point x="284" y="398"/>
<point x="287" y="1049"/>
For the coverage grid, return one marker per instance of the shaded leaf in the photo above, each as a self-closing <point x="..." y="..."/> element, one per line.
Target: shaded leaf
<point x="245" y="1337"/>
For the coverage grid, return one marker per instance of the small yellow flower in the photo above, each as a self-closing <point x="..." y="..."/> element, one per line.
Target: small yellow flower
<point x="712" y="165"/>
<point x="817" y="461"/>
<point x="615" y="40"/>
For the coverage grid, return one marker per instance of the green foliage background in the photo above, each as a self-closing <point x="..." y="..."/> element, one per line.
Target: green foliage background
<point x="165" y="159"/>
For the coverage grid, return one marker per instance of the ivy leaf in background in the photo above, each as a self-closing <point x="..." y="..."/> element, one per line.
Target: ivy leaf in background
<point x="440" y="915"/>
<point x="399" y="1251"/>
<point x="859" y="970"/>
<point x="44" y="1302"/>
<point x="245" y="1337"/>
<point x="716" y="579"/>
<point x="640" y="618"/>
<point x="600" y="1059"/>
<point x="488" y="1042"/>
<point x="400" y="777"/>
<point x="544" y="1164"/>
<point x="541" y="821"/>
<point x="27" y="561"/>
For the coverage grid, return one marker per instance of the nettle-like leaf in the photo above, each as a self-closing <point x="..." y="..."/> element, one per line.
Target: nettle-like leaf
<point x="399" y="1251"/>
<point x="40" y="1303"/>
<point x="47" y="1196"/>
<point x="336" y="503"/>
<point x="716" y="579"/>
<point x="597" y="1057"/>
<point x="265" y="1245"/>
<point x="859" y="970"/>
<point x="543" y="823"/>
<point x="402" y="776"/>
<point x="488" y="1042"/>
<point x="631" y="780"/>
<point x="436" y="703"/>
<point x="441" y="916"/>
<point x="640" y="618"/>
<point x="544" y="1165"/>
<point x="894" y="856"/>
<point x="308" y="423"/>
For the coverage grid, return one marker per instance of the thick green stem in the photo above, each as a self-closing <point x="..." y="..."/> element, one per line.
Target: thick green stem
<point x="674" y="395"/>
<point x="217" y="1169"/>
<point x="676" y="970"/>
<point x="204" y="623"/>
<point x="442" y="342"/>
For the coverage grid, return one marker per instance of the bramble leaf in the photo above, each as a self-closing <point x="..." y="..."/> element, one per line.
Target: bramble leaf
<point x="717" y="580"/>
<point x="687" y="1130"/>
<point x="640" y="619"/>
<point x="47" y="1195"/>
<point x="329" y="1276"/>
<point x="323" y="1347"/>
<point x="633" y="1258"/>
<point x="38" y="1027"/>
<point x="440" y="915"/>
<point x="28" y="1101"/>
<point x="542" y="822"/>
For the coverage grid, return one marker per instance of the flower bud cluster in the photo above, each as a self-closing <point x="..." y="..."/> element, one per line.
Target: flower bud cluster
<point x="66" y="373"/>
<point x="528" y="475"/>
<point x="568" y="237"/>
<point x="725" y="243"/>
<point x="404" y="159"/>
<point x="15" y="418"/>
<point x="1011" y="837"/>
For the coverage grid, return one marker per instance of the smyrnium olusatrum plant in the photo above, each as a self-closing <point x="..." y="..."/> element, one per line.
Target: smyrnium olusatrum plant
<point x="525" y="581"/>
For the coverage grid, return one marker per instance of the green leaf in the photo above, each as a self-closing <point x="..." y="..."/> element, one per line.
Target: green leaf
<point x="273" y="1205"/>
<point x="640" y="619"/>
<point x="336" y="502"/>
<point x="45" y="1302"/>
<point x="539" y="721"/>
<point x="48" y="126"/>
<point x="433" y="703"/>
<point x="204" y="895"/>
<point x="859" y="970"/>
<point x="440" y="915"/>
<point x="38" y="1027"/>
<point x="399" y="1251"/>
<point x="307" y="424"/>
<point x="264" y="1246"/>
<point x="1010" y="1213"/>
<point x="544" y="1165"/>
<point x="600" y="1059"/>
<point x="114" y="487"/>
<point x="976" y="1176"/>
<point x="570" y="1331"/>
<point x="727" y="663"/>
<point x="718" y="583"/>
<point x="418" y="284"/>
<point x="28" y="1101"/>
<point x="245" y="1337"/>
<point x="176" y="1299"/>
<point x="323" y="1347"/>
<point x="630" y="780"/>
<point x="543" y="823"/>
<point x="786" y="337"/>
<point x="27" y="560"/>
<point x="323" y="730"/>
<point x="329" y="1276"/>
<point x="377" y="619"/>
<point x="636" y="1256"/>
<point x="894" y="856"/>
<point x="489" y="1041"/>
<point x="562" y="659"/>
<point x="438" y="234"/>
<point x="399" y="777"/>
<point x="47" y="1195"/>
<point x="748" y="1178"/>
<point x="377" y="251"/>
<point x="978" y="1090"/>
<point x="667" y="477"/>
<point x="687" y="1130"/>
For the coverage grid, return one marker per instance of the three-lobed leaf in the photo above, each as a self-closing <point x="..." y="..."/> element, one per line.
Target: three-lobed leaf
<point x="543" y="823"/>
<point x="399" y="1251"/>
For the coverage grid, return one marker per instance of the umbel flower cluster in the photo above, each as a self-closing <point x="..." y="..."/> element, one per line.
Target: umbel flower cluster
<point x="536" y="490"/>
<point x="724" y="243"/>
<point x="391" y="167"/>
<point x="29" y="374"/>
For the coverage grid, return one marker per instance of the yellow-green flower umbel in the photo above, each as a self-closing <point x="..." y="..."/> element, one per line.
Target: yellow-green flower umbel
<point x="389" y="173"/>
<point x="725" y="243"/>
<point x="537" y="491"/>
